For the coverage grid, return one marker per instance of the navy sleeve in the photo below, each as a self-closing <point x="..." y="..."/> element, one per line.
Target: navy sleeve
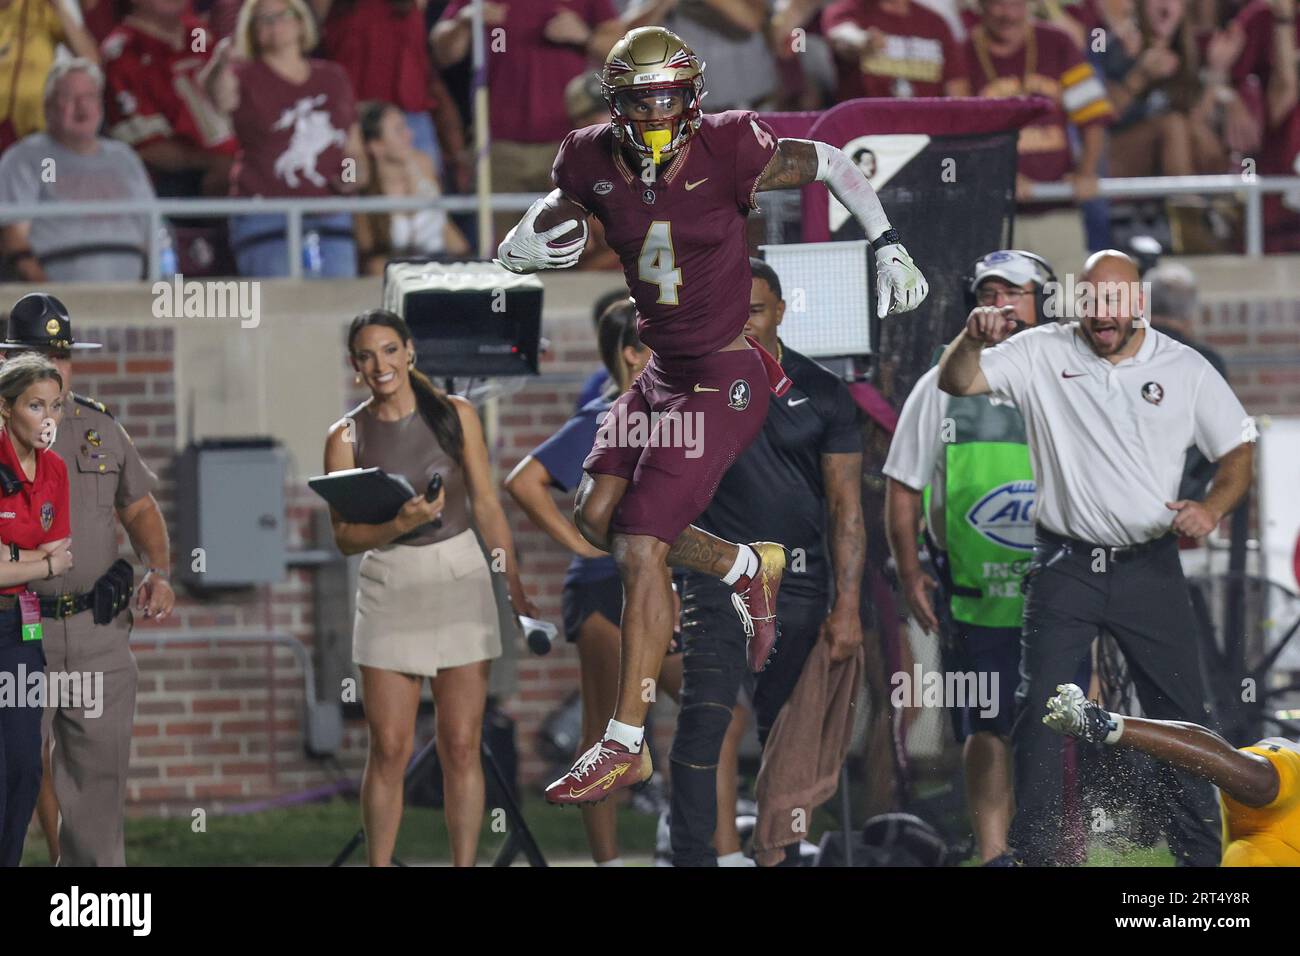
<point x="564" y="452"/>
<point x="843" y="434"/>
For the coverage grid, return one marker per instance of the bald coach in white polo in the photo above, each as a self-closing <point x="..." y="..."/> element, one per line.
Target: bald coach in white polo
<point x="1110" y="407"/>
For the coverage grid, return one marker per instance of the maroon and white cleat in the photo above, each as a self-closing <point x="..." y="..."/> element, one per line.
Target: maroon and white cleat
<point x="755" y="601"/>
<point x="606" y="767"/>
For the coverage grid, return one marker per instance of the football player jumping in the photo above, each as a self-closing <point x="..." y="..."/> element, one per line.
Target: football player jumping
<point x="673" y="187"/>
<point x="1259" y="786"/>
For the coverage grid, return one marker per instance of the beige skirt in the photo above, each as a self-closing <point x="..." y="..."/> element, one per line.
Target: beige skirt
<point x="426" y="608"/>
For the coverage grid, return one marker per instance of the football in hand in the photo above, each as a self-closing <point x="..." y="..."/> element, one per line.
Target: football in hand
<point x="558" y="209"/>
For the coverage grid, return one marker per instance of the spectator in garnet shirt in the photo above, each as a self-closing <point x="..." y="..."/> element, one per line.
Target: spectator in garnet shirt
<point x="1270" y="39"/>
<point x="383" y="46"/>
<point x="893" y="48"/>
<point x="156" y="103"/>
<point x="296" y="122"/>
<point x="534" y="47"/>
<point x="1009" y="53"/>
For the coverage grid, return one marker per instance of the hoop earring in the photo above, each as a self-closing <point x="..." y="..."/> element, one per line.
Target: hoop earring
<point x="356" y="379"/>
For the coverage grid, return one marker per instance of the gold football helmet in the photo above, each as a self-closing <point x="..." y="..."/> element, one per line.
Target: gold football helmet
<point x="654" y="84"/>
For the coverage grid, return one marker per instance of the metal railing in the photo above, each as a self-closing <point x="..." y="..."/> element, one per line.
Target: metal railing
<point x="293" y="209"/>
<point x="1249" y="189"/>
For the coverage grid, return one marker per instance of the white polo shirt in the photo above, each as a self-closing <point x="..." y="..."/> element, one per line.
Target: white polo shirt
<point x="916" y="453"/>
<point x="1107" y="442"/>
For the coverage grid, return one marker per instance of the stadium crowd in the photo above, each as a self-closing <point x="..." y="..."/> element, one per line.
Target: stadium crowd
<point x="372" y="97"/>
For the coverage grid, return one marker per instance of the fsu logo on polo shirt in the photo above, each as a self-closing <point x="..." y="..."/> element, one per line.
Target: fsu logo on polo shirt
<point x="738" y="395"/>
<point x="1153" y="392"/>
<point x="47" y="515"/>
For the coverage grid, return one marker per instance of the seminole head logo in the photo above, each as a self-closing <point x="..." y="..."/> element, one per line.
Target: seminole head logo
<point x="738" y="395"/>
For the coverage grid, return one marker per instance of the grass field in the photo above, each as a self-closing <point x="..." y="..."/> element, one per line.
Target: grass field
<point x="311" y="835"/>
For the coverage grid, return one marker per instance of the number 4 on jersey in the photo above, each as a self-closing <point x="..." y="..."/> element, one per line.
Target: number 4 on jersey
<point x="657" y="265"/>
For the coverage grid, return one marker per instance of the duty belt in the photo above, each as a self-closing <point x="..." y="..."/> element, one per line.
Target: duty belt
<point x="67" y="604"/>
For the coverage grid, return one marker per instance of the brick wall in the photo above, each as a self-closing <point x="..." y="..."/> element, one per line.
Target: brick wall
<point x="223" y="722"/>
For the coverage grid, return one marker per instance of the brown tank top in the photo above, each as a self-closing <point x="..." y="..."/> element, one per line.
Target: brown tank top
<point x="409" y="448"/>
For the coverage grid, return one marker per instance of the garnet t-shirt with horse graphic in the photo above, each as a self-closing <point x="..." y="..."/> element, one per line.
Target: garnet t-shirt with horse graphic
<point x="291" y="135"/>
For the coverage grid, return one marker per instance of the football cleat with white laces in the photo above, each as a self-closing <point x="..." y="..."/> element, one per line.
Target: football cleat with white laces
<point x="606" y="767"/>
<point x="754" y="599"/>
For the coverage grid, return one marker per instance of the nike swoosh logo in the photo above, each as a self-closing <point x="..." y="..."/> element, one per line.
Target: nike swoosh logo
<point x="1073" y="374"/>
<point x="793" y="403"/>
<point x="690" y="186"/>
<point x="701" y="388"/>
<point x="607" y="780"/>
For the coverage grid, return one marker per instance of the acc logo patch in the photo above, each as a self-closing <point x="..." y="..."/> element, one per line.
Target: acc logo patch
<point x="738" y="395"/>
<point x="1005" y="515"/>
<point x="1153" y="392"/>
<point x="47" y="515"/>
<point x="603" y="188"/>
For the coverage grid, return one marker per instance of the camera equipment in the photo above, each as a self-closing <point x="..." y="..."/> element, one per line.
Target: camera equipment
<point x="467" y="318"/>
<point x="435" y="486"/>
<point x="540" y="635"/>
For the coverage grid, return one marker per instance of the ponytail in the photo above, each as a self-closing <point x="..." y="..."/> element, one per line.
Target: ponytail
<point x="616" y="331"/>
<point x="440" y="415"/>
<point x="434" y="406"/>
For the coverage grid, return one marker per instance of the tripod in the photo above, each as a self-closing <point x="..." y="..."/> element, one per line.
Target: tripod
<point x="518" y="836"/>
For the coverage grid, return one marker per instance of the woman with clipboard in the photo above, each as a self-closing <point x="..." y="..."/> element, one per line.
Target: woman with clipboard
<point x="425" y="607"/>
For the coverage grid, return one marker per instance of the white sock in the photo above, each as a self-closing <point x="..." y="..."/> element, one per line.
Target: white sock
<point x="735" y="859"/>
<point x="616" y="861"/>
<point x="625" y="734"/>
<point x="746" y="563"/>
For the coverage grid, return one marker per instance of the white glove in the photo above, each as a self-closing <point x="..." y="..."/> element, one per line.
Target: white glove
<point x="900" y="287"/>
<point x="1065" y="711"/>
<point x="1072" y="714"/>
<point x="524" y="250"/>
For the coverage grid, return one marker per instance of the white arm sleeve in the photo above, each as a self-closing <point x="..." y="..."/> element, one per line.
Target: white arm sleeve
<point x="847" y="184"/>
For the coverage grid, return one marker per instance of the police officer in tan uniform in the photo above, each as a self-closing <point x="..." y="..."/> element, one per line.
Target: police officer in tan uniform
<point x="86" y="617"/>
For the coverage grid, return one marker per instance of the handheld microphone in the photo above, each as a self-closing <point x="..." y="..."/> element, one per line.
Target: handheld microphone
<point x="539" y="635"/>
<point x="430" y="493"/>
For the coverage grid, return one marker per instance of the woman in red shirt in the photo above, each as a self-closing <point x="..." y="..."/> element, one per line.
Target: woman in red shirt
<point x="34" y="526"/>
<point x="296" y="121"/>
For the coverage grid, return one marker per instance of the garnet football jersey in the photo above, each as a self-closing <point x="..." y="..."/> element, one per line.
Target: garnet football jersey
<point x="154" y="93"/>
<point x="678" y="229"/>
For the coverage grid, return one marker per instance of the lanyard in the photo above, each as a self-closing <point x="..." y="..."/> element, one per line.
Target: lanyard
<point x="986" y="60"/>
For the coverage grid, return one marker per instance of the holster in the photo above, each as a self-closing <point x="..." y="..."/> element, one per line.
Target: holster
<point x="112" y="592"/>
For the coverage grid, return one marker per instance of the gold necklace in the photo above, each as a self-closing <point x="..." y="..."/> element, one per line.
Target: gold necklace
<point x="779" y="351"/>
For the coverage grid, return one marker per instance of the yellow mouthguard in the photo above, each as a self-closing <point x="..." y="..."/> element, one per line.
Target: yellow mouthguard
<point x="657" y="140"/>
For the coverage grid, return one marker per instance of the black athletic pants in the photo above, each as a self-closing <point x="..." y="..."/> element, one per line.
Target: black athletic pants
<point x="713" y="669"/>
<point x="1073" y="591"/>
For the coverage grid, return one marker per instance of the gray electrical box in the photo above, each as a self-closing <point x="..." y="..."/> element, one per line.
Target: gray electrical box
<point x="230" y="513"/>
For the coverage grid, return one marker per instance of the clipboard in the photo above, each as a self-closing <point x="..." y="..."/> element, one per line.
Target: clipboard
<point x="363" y="495"/>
